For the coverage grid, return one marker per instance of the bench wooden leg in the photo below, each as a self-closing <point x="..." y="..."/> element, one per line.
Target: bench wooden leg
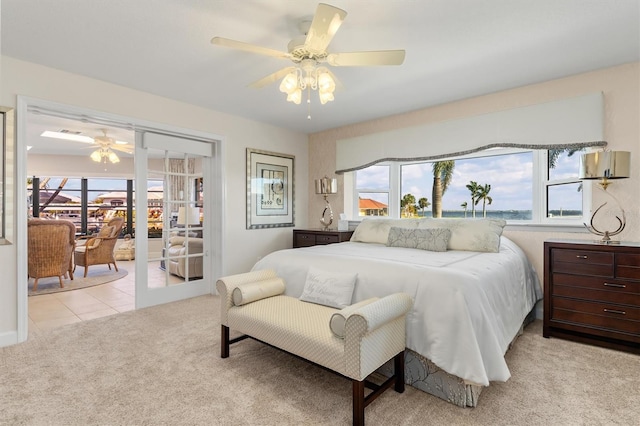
<point x="358" y="403"/>
<point x="398" y="372"/>
<point x="224" y="342"/>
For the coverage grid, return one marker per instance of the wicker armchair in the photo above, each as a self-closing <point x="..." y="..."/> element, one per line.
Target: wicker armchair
<point x="98" y="250"/>
<point x="50" y="245"/>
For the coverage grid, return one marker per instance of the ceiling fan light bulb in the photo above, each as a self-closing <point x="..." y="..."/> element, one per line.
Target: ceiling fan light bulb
<point x="325" y="97"/>
<point x="289" y="83"/>
<point x="95" y="156"/>
<point x="326" y="83"/>
<point x="113" y="157"/>
<point x="295" y="96"/>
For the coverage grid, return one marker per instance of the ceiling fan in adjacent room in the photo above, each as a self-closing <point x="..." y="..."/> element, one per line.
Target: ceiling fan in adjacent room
<point x="106" y="144"/>
<point x="309" y="53"/>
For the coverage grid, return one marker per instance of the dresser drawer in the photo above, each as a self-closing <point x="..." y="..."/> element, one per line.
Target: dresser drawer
<point x="609" y="315"/>
<point x="327" y="239"/>
<point x="582" y="257"/>
<point x="596" y="288"/>
<point x="304" y="240"/>
<point x="628" y="265"/>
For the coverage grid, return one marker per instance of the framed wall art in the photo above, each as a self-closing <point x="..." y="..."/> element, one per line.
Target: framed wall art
<point x="269" y="189"/>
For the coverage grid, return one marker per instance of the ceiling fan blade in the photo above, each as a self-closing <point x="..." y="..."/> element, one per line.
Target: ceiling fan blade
<point x="124" y="148"/>
<point x="324" y="26"/>
<point x="220" y="41"/>
<point x="357" y="59"/>
<point x="272" y="78"/>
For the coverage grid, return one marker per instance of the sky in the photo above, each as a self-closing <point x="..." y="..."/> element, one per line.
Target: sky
<point x="510" y="177"/>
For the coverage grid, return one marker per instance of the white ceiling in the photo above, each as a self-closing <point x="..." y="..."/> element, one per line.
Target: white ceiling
<point x="455" y="49"/>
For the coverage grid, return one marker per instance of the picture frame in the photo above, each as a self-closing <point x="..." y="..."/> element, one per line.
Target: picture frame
<point x="270" y="189"/>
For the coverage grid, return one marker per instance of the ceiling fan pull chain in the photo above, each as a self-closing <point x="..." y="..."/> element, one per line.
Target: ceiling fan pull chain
<point x="308" y="103"/>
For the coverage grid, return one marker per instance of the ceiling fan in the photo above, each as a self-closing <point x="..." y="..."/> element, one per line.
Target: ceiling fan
<point x="309" y="51"/>
<point x="107" y="145"/>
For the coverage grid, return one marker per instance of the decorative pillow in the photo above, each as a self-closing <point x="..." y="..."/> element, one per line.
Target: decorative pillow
<point x="339" y="319"/>
<point x="481" y="235"/>
<point x="251" y="292"/>
<point x="377" y="230"/>
<point x="434" y="239"/>
<point x="333" y="289"/>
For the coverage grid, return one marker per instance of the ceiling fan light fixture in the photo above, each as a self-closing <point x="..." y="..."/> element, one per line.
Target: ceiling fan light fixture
<point x="289" y="83"/>
<point x="325" y="97"/>
<point x="113" y="157"/>
<point x="96" y="155"/>
<point x="325" y="82"/>
<point x="295" y="96"/>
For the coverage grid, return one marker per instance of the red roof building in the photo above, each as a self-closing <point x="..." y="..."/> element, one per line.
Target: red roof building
<point x="369" y="207"/>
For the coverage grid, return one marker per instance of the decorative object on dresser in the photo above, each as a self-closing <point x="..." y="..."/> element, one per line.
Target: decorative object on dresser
<point x="314" y="237"/>
<point x="605" y="165"/>
<point x="592" y="293"/>
<point x="326" y="186"/>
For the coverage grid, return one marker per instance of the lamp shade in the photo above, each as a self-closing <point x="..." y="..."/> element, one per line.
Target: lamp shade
<point x="605" y="164"/>
<point x="188" y="216"/>
<point x="326" y="186"/>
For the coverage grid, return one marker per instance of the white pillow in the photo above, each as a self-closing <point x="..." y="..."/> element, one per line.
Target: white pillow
<point x="333" y="289"/>
<point x="339" y="319"/>
<point x="433" y="239"/>
<point x="470" y="234"/>
<point x="250" y="292"/>
<point x="377" y="230"/>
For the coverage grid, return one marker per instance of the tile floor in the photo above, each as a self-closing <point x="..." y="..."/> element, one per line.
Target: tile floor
<point x="54" y="310"/>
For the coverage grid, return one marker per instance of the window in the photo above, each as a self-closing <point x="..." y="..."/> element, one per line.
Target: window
<point x="91" y="202"/>
<point x="373" y="188"/>
<point x="499" y="183"/>
<point x="563" y="188"/>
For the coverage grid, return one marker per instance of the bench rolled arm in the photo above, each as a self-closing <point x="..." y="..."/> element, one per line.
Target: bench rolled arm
<point x="368" y="318"/>
<point x="226" y="285"/>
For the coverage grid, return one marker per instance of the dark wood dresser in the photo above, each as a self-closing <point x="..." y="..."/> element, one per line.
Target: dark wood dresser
<point x="592" y="293"/>
<point x="314" y="237"/>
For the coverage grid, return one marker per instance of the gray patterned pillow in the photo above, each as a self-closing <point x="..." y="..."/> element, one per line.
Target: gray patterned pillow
<point x="434" y="239"/>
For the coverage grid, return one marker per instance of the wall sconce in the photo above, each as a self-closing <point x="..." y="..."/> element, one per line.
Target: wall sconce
<point x="606" y="165"/>
<point x="326" y="186"/>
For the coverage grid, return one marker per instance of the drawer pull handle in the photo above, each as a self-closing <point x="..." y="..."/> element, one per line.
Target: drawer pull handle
<point x="614" y="311"/>
<point x="615" y="285"/>
<point x="581" y="257"/>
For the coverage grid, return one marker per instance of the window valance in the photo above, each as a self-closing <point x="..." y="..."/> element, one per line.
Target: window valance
<point x="574" y="122"/>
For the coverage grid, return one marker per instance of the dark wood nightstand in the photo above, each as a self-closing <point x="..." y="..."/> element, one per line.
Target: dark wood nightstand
<point x="592" y="293"/>
<point x="314" y="237"/>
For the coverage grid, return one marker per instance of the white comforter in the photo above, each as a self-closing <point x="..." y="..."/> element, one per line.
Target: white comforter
<point x="468" y="306"/>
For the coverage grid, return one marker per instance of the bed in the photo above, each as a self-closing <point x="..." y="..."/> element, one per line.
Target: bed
<point x="469" y="305"/>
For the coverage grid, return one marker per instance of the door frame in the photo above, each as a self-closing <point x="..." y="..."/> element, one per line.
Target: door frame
<point x="218" y="184"/>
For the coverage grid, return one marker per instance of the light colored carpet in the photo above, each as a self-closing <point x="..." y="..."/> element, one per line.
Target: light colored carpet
<point x="161" y="366"/>
<point x="98" y="274"/>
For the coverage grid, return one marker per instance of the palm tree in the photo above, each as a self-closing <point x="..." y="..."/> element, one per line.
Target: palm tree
<point x="474" y="188"/>
<point x="483" y="194"/>
<point x="555" y="153"/>
<point x="464" y="207"/>
<point x="408" y="204"/>
<point x="423" y="203"/>
<point x="442" y="175"/>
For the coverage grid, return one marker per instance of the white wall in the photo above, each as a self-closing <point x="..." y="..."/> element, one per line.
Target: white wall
<point x="242" y="247"/>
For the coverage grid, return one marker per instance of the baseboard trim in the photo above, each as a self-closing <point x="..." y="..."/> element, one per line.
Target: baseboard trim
<point x="8" y="338"/>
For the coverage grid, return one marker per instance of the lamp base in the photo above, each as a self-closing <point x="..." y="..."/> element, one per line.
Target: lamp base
<point x="326" y="223"/>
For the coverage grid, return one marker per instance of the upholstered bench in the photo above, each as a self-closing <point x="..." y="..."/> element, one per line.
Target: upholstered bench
<point x="353" y="342"/>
